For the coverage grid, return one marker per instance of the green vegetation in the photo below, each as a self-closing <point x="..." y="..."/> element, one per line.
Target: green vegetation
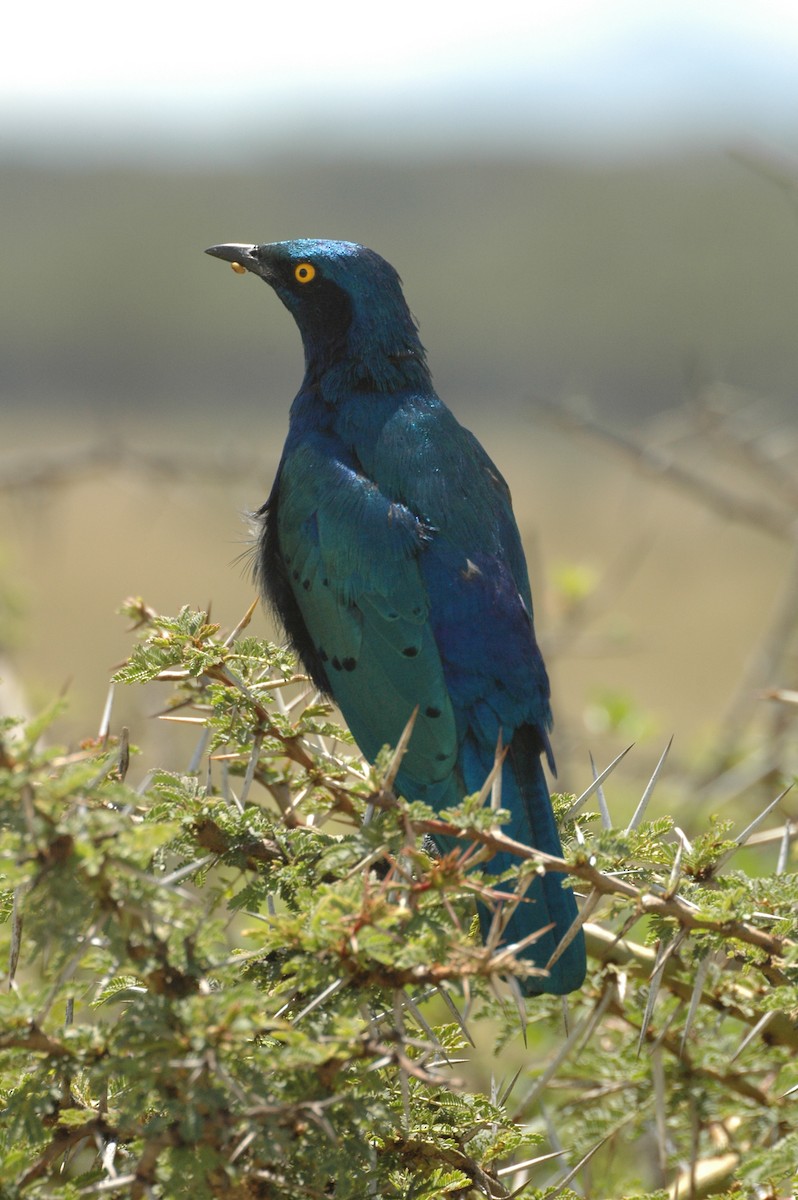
<point x="247" y="979"/>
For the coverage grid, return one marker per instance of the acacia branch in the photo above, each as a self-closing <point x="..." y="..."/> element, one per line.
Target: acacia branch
<point x="62" y="467"/>
<point x="610" y="885"/>
<point x="640" y="961"/>
<point x="778" y="522"/>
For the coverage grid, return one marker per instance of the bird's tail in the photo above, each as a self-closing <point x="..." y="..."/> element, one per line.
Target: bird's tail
<point x="546" y="902"/>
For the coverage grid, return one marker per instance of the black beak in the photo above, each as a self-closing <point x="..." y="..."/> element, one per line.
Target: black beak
<point x="238" y="255"/>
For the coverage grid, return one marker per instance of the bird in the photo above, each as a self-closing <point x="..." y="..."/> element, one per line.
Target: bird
<point x="389" y="552"/>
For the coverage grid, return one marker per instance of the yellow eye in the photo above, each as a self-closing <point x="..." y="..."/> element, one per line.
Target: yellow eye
<point x="304" y="272"/>
<point x="239" y="270"/>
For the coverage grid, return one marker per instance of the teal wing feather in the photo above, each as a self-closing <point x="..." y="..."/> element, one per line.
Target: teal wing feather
<point x="354" y="560"/>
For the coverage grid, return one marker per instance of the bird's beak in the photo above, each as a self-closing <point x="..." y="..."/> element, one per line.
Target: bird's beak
<point x="241" y="257"/>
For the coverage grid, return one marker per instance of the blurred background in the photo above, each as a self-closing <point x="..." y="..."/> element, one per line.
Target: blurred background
<point x="593" y="208"/>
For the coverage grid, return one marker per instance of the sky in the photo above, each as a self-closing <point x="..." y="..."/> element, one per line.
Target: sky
<point x="170" y="70"/>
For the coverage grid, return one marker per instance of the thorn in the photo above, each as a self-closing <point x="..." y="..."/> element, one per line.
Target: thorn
<point x="123" y="758"/>
<point x="199" y="753"/>
<point x="660" y="1118"/>
<point x="143" y="787"/>
<point x="683" y="838"/>
<point x="785" y="695"/>
<point x="182" y="872"/>
<point x="589" y="906"/>
<point x="580" y="801"/>
<point x="583" y="1029"/>
<point x="282" y="707"/>
<point x="604" y="812"/>
<point x="784" y="849"/>
<point x="225" y="790"/>
<point x="399" y="1029"/>
<point x="413" y="1008"/>
<point x="761" y="1025"/>
<point x="16" y="931"/>
<point x="405" y="1085"/>
<point x="528" y="1162"/>
<point x="656" y="979"/>
<point x="172" y="675"/>
<point x="666" y="1026"/>
<point x="585" y="1159"/>
<point x="254" y="758"/>
<point x="749" y="829"/>
<point x="379" y="1063"/>
<point x="695" y="1123"/>
<point x="551" y="1132"/>
<point x="322" y="996"/>
<point x="566" y="1015"/>
<point x="455" y="1011"/>
<point x="399" y="753"/>
<point x="495" y="771"/>
<point x="496" y="786"/>
<point x="242" y="624"/>
<point x="299" y="701"/>
<point x="700" y="976"/>
<point x="105" y="720"/>
<point x="520" y="1006"/>
<point x="504" y="1095"/>
<point x="246" y="1141"/>
<point x="676" y="871"/>
<point x="649" y="790"/>
<point x="493" y="937"/>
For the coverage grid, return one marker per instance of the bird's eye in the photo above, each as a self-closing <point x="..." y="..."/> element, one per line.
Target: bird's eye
<point x="304" y="272"/>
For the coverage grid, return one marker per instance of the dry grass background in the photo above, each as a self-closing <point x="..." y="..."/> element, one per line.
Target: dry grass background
<point x="617" y="284"/>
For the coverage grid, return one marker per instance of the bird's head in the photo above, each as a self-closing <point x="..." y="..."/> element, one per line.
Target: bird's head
<point x="348" y="304"/>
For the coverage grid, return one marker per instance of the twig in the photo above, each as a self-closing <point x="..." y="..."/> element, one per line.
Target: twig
<point x="777" y="521"/>
<point x="664" y="906"/>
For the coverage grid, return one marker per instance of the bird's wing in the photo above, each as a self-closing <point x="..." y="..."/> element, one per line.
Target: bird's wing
<point x="353" y="559"/>
<point x="474" y="570"/>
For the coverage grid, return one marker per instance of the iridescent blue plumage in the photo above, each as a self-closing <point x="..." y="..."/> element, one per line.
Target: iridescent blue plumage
<point x="389" y="550"/>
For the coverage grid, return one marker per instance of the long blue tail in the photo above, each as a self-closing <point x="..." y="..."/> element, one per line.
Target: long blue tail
<point x="526" y="796"/>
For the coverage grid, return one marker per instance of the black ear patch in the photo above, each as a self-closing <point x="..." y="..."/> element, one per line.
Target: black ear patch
<point x="323" y="310"/>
